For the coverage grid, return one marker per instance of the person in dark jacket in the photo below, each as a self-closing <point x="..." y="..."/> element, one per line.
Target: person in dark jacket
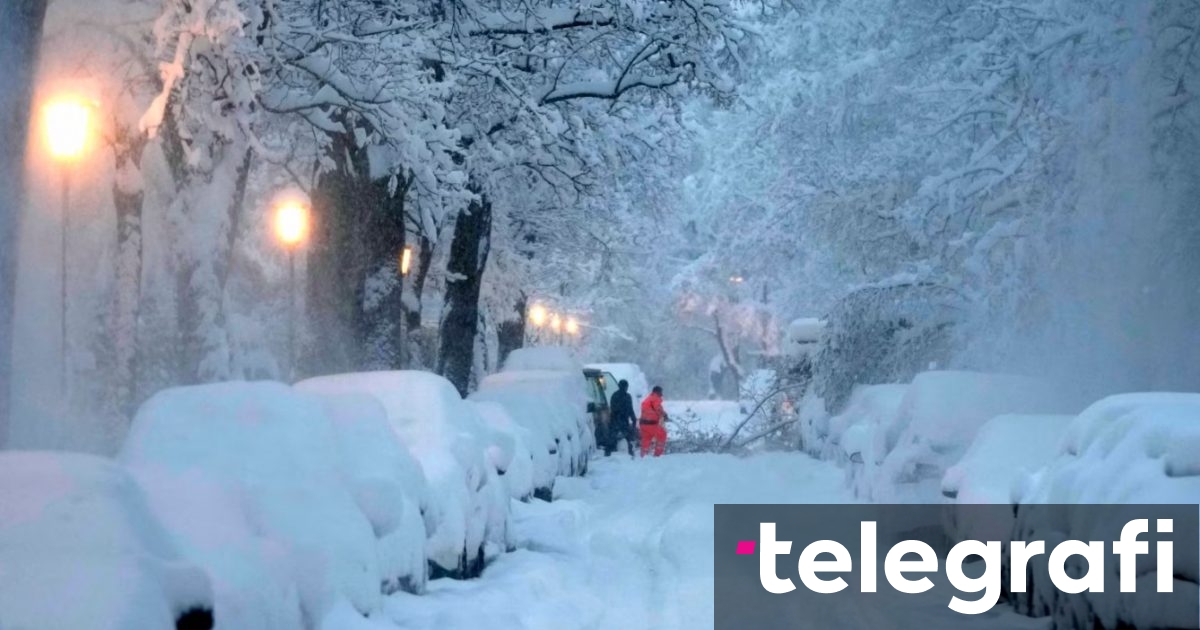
<point x="622" y="419"/>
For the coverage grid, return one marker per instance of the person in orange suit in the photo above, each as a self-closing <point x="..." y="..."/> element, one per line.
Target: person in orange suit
<point x="652" y="421"/>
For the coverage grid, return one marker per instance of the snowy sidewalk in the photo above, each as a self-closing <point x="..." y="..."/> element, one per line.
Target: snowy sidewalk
<point x="630" y="547"/>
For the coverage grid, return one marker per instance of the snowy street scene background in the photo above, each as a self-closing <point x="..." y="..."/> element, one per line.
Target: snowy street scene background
<point x="341" y="314"/>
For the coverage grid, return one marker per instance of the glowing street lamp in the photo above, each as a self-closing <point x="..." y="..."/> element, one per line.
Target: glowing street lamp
<point x="291" y="225"/>
<point x="67" y="124"/>
<point x="406" y="260"/>
<point x="538" y="315"/>
<point x="572" y="326"/>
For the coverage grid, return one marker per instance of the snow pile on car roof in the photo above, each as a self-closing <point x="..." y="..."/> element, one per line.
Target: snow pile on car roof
<point x="542" y="358"/>
<point x="79" y="548"/>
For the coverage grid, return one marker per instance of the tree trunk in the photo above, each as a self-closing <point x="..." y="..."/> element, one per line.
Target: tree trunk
<point x="128" y="197"/>
<point x="469" y="251"/>
<point x="511" y="333"/>
<point x="20" y="35"/>
<point x="203" y="329"/>
<point x="354" y="288"/>
<point x="733" y="366"/>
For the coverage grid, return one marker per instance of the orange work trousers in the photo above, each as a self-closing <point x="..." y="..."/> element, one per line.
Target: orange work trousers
<point x="656" y="434"/>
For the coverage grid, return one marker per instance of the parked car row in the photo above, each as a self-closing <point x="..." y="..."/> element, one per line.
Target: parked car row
<point x="1013" y="463"/>
<point x="264" y="505"/>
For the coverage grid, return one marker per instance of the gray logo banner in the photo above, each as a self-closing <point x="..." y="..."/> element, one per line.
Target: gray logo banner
<point x="919" y="566"/>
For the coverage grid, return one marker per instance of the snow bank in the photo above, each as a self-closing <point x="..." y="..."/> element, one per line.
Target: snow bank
<point x="79" y="548"/>
<point x="249" y="477"/>
<point x="937" y="420"/>
<point x="552" y="358"/>
<point x="1127" y="449"/>
<point x="639" y="387"/>
<point x="1007" y="450"/>
<point x="450" y="440"/>
<point x="552" y="405"/>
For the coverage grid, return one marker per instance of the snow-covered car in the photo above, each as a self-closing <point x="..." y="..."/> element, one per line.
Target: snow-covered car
<point x="249" y="477"/>
<point x="851" y="432"/>
<point x="553" y="406"/>
<point x="80" y="548"/>
<point x="1007" y="450"/>
<point x="1121" y="451"/>
<point x="388" y="485"/>
<point x="937" y="420"/>
<point x="468" y="508"/>
<point x="545" y="391"/>
<point x="511" y="454"/>
<point x="856" y="435"/>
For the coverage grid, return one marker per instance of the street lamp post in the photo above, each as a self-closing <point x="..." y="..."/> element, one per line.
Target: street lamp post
<point x="291" y="228"/>
<point x="66" y="120"/>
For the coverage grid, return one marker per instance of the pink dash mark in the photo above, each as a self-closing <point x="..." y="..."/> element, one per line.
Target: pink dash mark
<point x="745" y="547"/>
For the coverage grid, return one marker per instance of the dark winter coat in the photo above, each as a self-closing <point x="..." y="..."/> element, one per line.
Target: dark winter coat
<point x="621" y="409"/>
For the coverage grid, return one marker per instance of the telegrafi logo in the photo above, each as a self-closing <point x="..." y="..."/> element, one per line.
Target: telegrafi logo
<point x="873" y="566"/>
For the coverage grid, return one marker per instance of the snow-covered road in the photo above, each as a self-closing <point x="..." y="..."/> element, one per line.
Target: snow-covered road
<point x="629" y="546"/>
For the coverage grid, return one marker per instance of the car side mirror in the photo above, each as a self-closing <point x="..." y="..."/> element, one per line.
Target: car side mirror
<point x="591" y="408"/>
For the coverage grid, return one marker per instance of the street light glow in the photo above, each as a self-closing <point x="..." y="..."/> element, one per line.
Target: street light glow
<point x="291" y="223"/>
<point x="66" y="122"/>
<point x="572" y="326"/>
<point x="538" y="315"/>
<point x="555" y="323"/>
<point x="406" y="260"/>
